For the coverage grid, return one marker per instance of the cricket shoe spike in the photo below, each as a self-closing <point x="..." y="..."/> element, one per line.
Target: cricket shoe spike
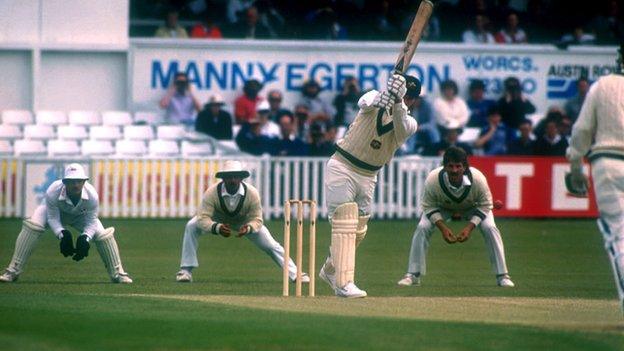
<point x="122" y="278"/>
<point x="504" y="281"/>
<point x="184" y="276"/>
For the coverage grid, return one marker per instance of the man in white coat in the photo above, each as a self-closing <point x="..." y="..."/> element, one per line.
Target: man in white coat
<point x="71" y="201"/>
<point x="381" y="126"/>
<point x="599" y="133"/>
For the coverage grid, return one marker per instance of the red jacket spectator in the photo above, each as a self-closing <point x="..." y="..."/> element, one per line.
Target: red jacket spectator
<point x="245" y="105"/>
<point x="201" y="30"/>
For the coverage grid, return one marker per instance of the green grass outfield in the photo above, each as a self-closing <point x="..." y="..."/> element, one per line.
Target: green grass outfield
<point x="564" y="299"/>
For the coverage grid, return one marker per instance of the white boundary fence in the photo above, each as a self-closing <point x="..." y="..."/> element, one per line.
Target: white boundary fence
<point x="173" y="187"/>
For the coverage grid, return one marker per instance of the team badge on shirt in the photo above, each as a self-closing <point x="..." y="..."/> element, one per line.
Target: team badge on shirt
<point x="375" y="144"/>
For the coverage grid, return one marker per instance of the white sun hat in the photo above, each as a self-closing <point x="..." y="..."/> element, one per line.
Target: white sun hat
<point x="232" y="169"/>
<point x="75" y="171"/>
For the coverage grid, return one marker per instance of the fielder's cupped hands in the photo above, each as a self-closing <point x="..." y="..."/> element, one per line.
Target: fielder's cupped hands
<point x="67" y="243"/>
<point x="225" y="230"/>
<point x="244" y="230"/>
<point x="465" y="233"/>
<point x="447" y="234"/>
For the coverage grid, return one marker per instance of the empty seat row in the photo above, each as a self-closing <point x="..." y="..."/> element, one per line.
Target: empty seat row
<point x="76" y="132"/>
<point x="79" y="118"/>
<point x="59" y="148"/>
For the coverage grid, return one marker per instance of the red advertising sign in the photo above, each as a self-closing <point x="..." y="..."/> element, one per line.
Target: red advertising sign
<point x="533" y="187"/>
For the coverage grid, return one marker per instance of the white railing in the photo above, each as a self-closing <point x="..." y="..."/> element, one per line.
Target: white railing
<point x="173" y="187"/>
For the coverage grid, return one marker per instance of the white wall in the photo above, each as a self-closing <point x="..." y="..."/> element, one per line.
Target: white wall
<point x="19" y="21"/>
<point x="16" y="83"/>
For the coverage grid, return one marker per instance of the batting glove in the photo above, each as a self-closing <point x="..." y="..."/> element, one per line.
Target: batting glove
<point x="383" y="100"/>
<point x="397" y="86"/>
<point x="576" y="183"/>
<point x="67" y="243"/>
<point x="82" y="248"/>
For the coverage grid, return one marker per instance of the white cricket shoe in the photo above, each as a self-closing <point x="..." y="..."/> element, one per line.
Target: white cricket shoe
<point x="122" y="278"/>
<point x="504" y="281"/>
<point x="350" y="291"/>
<point x="8" y="277"/>
<point x="184" y="276"/>
<point x="409" y="279"/>
<point x="305" y="278"/>
<point x="329" y="278"/>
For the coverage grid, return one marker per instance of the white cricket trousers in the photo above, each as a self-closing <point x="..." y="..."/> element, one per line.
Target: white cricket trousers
<point x="343" y="185"/>
<point x="262" y="239"/>
<point x="40" y="217"/>
<point x="420" y="243"/>
<point x="608" y="179"/>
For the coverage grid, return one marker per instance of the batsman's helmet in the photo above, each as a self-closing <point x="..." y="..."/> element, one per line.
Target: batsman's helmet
<point x="413" y="86"/>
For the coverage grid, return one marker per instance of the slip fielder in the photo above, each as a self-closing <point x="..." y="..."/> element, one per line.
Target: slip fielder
<point x="381" y="126"/>
<point x="71" y="201"/>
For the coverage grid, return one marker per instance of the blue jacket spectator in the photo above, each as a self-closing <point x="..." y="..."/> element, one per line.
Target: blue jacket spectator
<point x="493" y="138"/>
<point x="249" y="139"/>
<point x="451" y="138"/>
<point x="478" y="104"/>
<point x="524" y="145"/>
<point x="288" y="144"/>
<point x="212" y="120"/>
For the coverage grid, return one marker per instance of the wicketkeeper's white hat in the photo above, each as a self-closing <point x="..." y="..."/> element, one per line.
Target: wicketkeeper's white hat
<point x="75" y="171"/>
<point x="232" y="169"/>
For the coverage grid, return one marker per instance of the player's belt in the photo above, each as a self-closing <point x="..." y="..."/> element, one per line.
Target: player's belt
<point x="593" y="157"/>
<point x="356" y="161"/>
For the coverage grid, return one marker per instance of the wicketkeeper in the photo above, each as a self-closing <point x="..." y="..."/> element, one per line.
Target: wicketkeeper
<point x="73" y="202"/>
<point x="381" y="126"/>
<point x="599" y="131"/>
<point x="231" y="206"/>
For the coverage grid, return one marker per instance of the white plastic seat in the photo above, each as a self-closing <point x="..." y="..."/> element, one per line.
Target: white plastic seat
<point x="40" y="132"/>
<point x="72" y="132"/>
<point x="84" y="118"/>
<point x="148" y="117"/>
<point x="51" y="118"/>
<point x="138" y="133"/>
<point x="27" y="147"/>
<point x="196" y="149"/>
<point x="59" y="147"/>
<point x="172" y="132"/>
<point x="469" y="135"/>
<point x="6" y="148"/>
<point x="116" y="118"/>
<point x="130" y="148"/>
<point x="17" y="117"/>
<point x="10" y="131"/>
<point x="105" y="133"/>
<point x="163" y="148"/>
<point x="97" y="147"/>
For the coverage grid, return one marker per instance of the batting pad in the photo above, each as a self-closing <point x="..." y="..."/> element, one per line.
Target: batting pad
<point x="344" y="225"/>
<point x="362" y="227"/>
<point x="108" y="250"/>
<point x="614" y="244"/>
<point x="24" y="245"/>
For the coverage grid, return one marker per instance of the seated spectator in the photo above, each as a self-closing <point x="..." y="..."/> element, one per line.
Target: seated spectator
<point x="208" y="29"/>
<point x="267" y="127"/>
<point x="450" y="110"/>
<point x="493" y="138"/>
<point x="573" y="106"/>
<point x="427" y="133"/>
<point x="577" y="37"/>
<point x="235" y="9"/>
<point x="524" y="145"/>
<point x="511" y="33"/>
<point x="323" y="24"/>
<point x="551" y="143"/>
<point x="318" y="108"/>
<point x="479" y="33"/>
<point x="450" y="137"/>
<point x="346" y="103"/>
<point x="288" y="144"/>
<point x="213" y="120"/>
<point x="383" y="21"/>
<point x="322" y="139"/>
<point x="513" y="105"/>
<point x="250" y="27"/>
<point x="180" y="103"/>
<point x="275" y="101"/>
<point x="478" y="104"/>
<point x="245" y="105"/>
<point x="565" y="127"/>
<point x="554" y="113"/>
<point x="302" y="121"/>
<point x="250" y="139"/>
<point x="171" y="29"/>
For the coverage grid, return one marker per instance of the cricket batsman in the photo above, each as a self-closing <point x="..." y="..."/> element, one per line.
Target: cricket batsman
<point x="71" y="201"/>
<point x="231" y="206"/>
<point x="456" y="191"/>
<point x="381" y="126"/>
<point x="599" y="133"/>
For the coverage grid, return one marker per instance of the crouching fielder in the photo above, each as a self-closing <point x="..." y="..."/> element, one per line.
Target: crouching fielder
<point x="71" y="201"/>
<point x="230" y="207"/>
<point x="599" y="130"/>
<point x="456" y="191"/>
<point x="381" y="126"/>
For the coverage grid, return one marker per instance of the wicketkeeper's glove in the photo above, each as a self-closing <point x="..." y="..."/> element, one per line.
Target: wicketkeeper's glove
<point x="577" y="183"/>
<point x="397" y="86"/>
<point x="67" y="243"/>
<point x="82" y="248"/>
<point x="384" y="100"/>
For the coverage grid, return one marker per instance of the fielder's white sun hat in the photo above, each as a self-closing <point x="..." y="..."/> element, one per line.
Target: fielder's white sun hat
<point x="232" y="169"/>
<point x="75" y="171"/>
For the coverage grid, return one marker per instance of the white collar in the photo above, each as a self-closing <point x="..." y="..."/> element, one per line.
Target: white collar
<point x="240" y="191"/>
<point x="63" y="195"/>
<point x="465" y="182"/>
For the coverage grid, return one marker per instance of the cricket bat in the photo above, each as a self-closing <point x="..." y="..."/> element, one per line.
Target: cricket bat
<point x="425" y="9"/>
